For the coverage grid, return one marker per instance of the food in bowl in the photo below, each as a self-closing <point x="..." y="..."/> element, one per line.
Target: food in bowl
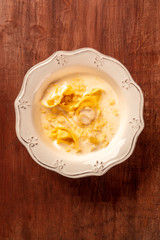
<point x="80" y="113"/>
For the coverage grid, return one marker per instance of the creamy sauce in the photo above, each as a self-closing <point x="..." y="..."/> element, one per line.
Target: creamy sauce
<point x="99" y="125"/>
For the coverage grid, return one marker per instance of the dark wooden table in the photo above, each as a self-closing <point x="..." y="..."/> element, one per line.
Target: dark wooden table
<point x="38" y="204"/>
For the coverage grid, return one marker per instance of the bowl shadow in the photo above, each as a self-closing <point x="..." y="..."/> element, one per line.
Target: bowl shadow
<point x="123" y="180"/>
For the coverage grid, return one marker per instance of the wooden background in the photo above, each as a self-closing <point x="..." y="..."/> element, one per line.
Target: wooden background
<point x="38" y="204"/>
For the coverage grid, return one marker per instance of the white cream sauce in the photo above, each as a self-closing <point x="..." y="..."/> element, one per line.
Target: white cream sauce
<point x="109" y="105"/>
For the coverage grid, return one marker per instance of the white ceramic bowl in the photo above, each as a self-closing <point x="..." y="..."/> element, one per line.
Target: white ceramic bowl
<point x="62" y="63"/>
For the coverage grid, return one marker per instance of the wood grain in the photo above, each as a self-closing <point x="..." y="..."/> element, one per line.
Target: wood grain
<point x="38" y="204"/>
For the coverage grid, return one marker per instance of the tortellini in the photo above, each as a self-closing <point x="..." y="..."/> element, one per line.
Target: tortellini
<point x="73" y="115"/>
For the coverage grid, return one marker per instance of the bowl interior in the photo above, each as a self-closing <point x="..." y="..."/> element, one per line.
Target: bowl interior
<point x="67" y="71"/>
